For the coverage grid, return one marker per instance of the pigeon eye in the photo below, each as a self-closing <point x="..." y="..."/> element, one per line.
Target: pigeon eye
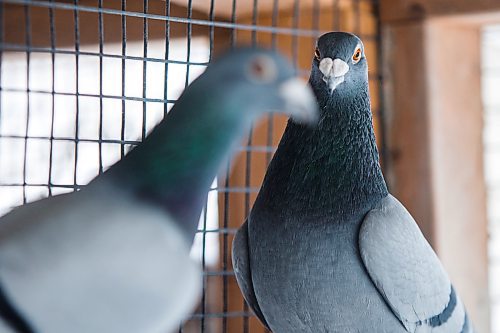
<point x="317" y="54"/>
<point x="262" y="69"/>
<point x="357" y="55"/>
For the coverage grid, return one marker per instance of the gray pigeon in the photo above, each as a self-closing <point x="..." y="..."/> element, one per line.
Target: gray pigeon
<point x="326" y="248"/>
<point x="114" y="257"/>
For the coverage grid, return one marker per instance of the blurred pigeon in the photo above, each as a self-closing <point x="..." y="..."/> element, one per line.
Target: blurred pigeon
<point x="114" y="257"/>
<point x="326" y="248"/>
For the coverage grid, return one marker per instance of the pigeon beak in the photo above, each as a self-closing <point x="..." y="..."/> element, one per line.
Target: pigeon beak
<point x="300" y="102"/>
<point x="333" y="71"/>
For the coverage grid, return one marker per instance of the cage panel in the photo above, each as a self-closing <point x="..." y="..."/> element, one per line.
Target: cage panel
<point x="84" y="81"/>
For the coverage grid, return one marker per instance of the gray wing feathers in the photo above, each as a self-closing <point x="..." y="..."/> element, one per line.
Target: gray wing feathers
<point x="407" y="272"/>
<point x="241" y="266"/>
<point x="107" y="259"/>
<point x="4" y="328"/>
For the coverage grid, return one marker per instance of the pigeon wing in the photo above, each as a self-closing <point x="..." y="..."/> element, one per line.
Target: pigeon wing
<point x="86" y="255"/>
<point x="241" y="266"/>
<point x="407" y="272"/>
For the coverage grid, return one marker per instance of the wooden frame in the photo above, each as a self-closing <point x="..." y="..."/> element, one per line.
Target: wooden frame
<point x="434" y="125"/>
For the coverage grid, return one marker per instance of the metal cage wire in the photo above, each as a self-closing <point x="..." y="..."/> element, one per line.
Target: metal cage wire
<point x="146" y="27"/>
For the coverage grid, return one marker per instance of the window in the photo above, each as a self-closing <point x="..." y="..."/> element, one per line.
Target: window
<point x="491" y="100"/>
<point x="25" y="173"/>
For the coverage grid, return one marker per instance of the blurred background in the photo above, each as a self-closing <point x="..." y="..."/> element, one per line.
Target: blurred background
<point x="84" y="81"/>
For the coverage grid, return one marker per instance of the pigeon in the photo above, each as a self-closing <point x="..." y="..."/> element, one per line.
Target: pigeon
<point x="326" y="247"/>
<point x="114" y="257"/>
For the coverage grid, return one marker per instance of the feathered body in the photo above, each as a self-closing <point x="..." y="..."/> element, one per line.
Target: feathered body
<point x="114" y="257"/>
<point x="319" y="186"/>
<point x="326" y="248"/>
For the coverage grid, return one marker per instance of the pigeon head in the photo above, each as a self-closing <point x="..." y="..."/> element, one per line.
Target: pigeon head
<point x="176" y="164"/>
<point x="266" y="82"/>
<point x="339" y="65"/>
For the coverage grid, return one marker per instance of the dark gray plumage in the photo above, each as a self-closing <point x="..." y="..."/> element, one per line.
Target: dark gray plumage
<point x="326" y="248"/>
<point x="114" y="257"/>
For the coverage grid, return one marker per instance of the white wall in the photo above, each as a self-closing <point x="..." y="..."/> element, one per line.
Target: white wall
<point x="491" y="100"/>
<point x="31" y="165"/>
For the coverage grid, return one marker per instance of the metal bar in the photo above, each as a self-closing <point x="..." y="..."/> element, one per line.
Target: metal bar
<point x="381" y="106"/>
<point x="218" y="230"/>
<point x="270" y="117"/>
<point x="55" y="138"/>
<point x="219" y="24"/>
<point x="225" y="256"/>
<point x="211" y="16"/>
<point x="226" y="194"/>
<point x="255" y="149"/>
<point x="27" y="19"/>
<point x="336" y="15"/>
<point x="218" y="273"/>
<point x="77" y="87"/>
<point x="233" y="24"/>
<point x="315" y="15"/>
<point x="255" y="13"/>
<point x="295" y="25"/>
<point x="100" y="27"/>
<point x="144" y="67"/>
<point x="53" y="63"/>
<point x="204" y="305"/>
<point x="123" y="90"/>
<point x="357" y="16"/>
<point x="248" y="166"/>
<point x="204" y="266"/>
<point x="167" y="55"/>
<point x="188" y="48"/>
<point x="40" y="185"/>
<point x="373" y="77"/>
<point x="77" y="94"/>
<point x="274" y="23"/>
<point x="38" y="49"/>
<point x="218" y="189"/>
<point x="222" y="315"/>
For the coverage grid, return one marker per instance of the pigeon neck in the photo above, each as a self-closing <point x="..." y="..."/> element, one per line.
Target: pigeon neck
<point x="332" y="169"/>
<point x="175" y="166"/>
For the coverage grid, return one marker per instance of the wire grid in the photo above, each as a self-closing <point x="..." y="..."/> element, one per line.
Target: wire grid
<point x="145" y="36"/>
<point x="490" y="84"/>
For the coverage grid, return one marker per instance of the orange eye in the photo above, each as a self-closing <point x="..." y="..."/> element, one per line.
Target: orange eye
<point x="317" y="54"/>
<point x="357" y="55"/>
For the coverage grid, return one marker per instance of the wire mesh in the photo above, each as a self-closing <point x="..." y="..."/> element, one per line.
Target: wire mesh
<point x="84" y="81"/>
